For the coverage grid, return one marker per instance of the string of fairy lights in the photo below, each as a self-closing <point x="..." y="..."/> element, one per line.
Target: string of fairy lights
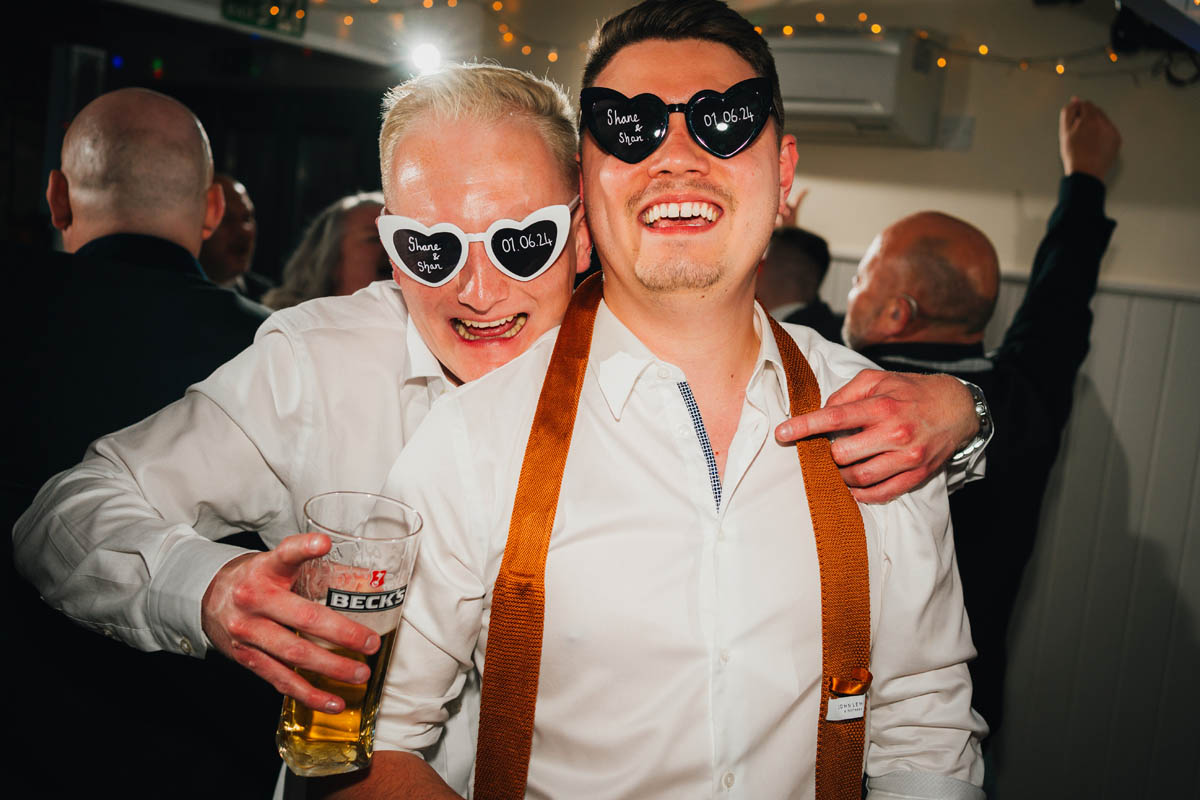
<point x="510" y="35"/>
<point x="1091" y="62"/>
<point x="949" y="54"/>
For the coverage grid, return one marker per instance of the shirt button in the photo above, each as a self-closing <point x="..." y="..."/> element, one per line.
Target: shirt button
<point x="725" y="659"/>
<point x="664" y="373"/>
<point x="728" y="780"/>
<point x="720" y="534"/>
<point x="109" y="633"/>
<point x="185" y="646"/>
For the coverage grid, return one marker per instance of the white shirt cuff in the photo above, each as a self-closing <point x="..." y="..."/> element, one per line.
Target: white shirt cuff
<point x="921" y="786"/>
<point x="178" y="589"/>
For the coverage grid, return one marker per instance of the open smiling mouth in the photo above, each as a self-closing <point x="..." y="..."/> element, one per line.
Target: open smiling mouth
<point x="506" y="328"/>
<point x="680" y="215"/>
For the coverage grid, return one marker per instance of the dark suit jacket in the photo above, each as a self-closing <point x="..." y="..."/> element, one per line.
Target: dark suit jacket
<point x="111" y="334"/>
<point x="99" y="340"/>
<point x="1028" y="383"/>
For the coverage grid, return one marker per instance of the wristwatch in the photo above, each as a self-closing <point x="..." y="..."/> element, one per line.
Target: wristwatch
<point x="984" y="414"/>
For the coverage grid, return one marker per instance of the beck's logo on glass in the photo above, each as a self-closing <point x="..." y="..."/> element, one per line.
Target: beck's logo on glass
<point x="365" y="601"/>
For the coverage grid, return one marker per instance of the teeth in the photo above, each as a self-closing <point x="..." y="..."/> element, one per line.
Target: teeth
<point x="493" y="324"/>
<point x="463" y="326"/>
<point x="679" y="211"/>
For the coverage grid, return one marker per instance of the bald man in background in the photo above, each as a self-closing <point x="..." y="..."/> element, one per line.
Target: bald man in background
<point x="922" y="296"/>
<point x="101" y="336"/>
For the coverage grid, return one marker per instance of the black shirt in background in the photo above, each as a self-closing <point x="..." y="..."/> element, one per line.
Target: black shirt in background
<point x="98" y="340"/>
<point x="1029" y="382"/>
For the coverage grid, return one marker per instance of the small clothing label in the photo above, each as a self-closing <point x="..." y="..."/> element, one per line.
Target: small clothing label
<point x="851" y="707"/>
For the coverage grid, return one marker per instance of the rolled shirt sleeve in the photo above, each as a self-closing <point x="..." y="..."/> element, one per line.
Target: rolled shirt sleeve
<point x="921" y="731"/>
<point x="124" y="543"/>
<point x="323" y="400"/>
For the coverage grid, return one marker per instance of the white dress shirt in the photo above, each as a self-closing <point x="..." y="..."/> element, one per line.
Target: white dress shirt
<point x="682" y="645"/>
<point x="324" y="399"/>
<point x="328" y="394"/>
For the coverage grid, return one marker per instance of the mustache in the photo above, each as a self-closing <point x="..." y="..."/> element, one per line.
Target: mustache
<point x="680" y="186"/>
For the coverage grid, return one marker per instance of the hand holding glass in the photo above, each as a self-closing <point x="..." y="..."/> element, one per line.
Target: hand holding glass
<point x="365" y="576"/>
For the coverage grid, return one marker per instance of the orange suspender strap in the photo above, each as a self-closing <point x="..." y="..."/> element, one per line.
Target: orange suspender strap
<point x="845" y="589"/>
<point x="514" y="645"/>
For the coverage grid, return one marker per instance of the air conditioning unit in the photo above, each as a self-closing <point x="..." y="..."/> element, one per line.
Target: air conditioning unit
<point x="852" y="87"/>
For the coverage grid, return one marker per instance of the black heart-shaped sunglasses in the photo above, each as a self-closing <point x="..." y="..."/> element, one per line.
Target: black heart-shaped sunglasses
<point x="723" y="123"/>
<point x="432" y="255"/>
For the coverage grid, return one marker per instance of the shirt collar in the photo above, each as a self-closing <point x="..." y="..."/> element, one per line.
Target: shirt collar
<point x="927" y="351"/>
<point x="422" y="363"/>
<point x="149" y="252"/>
<point x="770" y="360"/>
<point x="618" y="359"/>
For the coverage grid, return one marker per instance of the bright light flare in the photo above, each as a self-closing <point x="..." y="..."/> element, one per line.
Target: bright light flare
<point x="426" y="58"/>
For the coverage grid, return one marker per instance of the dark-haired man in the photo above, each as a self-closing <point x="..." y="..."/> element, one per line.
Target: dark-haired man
<point x="790" y="277"/>
<point x="680" y="649"/>
<point x="228" y="255"/>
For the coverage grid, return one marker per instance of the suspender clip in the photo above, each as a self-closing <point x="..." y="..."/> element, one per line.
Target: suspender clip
<point x="858" y="682"/>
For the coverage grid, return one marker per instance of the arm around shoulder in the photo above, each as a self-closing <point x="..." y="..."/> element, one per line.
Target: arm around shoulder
<point x="125" y="542"/>
<point x="902" y="427"/>
<point x="115" y="543"/>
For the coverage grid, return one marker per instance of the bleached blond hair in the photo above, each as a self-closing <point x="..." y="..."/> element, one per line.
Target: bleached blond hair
<point x="486" y="93"/>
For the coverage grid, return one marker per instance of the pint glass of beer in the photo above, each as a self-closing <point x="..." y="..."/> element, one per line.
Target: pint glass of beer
<point x="364" y="576"/>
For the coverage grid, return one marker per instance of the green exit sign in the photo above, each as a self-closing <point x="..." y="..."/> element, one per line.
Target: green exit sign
<point x="280" y="16"/>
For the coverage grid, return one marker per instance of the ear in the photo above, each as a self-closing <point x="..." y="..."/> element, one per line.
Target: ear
<point x="58" y="197"/>
<point x="787" y="167"/>
<point x="896" y="316"/>
<point x="583" y="241"/>
<point x="214" y="209"/>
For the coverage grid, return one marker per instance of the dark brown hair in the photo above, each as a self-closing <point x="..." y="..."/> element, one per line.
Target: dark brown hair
<point x="672" y="20"/>
<point x="803" y="255"/>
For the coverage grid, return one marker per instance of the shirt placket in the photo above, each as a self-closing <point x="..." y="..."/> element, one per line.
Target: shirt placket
<point x="729" y="733"/>
<point x="718" y="584"/>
